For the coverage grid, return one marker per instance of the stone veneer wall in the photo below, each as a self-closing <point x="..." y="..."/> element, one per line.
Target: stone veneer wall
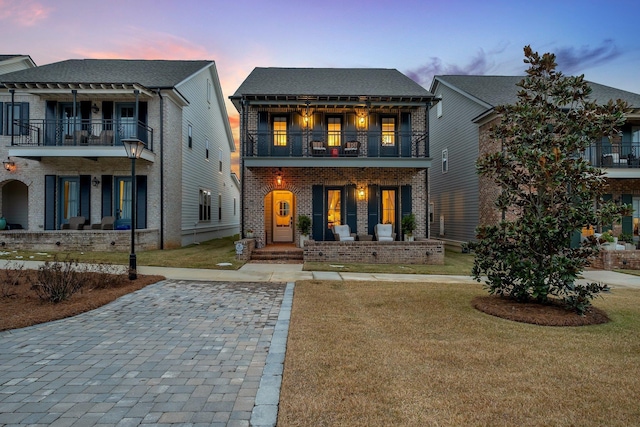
<point x="420" y="252"/>
<point x="78" y="240"/>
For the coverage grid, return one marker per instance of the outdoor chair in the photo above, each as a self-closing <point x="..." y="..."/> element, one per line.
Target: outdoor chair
<point x="343" y="233"/>
<point x="318" y="148"/>
<point x="106" y="223"/>
<point x="105" y="138"/>
<point x="351" y="148"/>
<point x="75" y="223"/>
<point x="384" y="233"/>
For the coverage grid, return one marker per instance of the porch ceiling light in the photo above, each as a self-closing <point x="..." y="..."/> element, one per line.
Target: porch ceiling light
<point x="9" y="166"/>
<point x="133" y="147"/>
<point x="361" y="193"/>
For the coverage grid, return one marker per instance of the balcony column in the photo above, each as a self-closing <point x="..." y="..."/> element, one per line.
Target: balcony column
<point x="13" y="98"/>
<point x="74" y="92"/>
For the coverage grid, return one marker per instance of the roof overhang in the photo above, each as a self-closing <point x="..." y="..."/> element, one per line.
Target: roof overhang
<point x="91" y="152"/>
<point x="83" y="90"/>
<point x="332" y="162"/>
<point x="330" y="101"/>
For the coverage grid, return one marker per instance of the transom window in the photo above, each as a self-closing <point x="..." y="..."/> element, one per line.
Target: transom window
<point x="388" y="131"/>
<point x="280" y="131"/>
<point x="334" y="131"/>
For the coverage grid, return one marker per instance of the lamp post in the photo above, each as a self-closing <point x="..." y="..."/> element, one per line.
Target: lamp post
<point x="133" y="147"/>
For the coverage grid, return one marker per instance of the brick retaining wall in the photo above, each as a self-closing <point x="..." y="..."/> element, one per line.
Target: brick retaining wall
<point x="419" y="252"/>
<point x="614" y="260"/>
<point x="78" y="240"/>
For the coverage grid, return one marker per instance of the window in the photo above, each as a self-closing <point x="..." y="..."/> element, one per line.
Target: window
<point x="209" y="91"/>
<point x="280" y="131"/>
<point x="205" y="205"/>
<point x="334" y="131"/>
<point x="388" y="131"/>
<point x="206" y="149"/>
<point x="20" y="116"/>
<point x="431" y="209"/>
<point x="235" y="209"/>
<point x="445" y="160"/>
<point x="636" y="215"/>
<point x="69" y="198"/>
<point x="190" y="136"/>
<point x="220" y="161"/>
<point x="388" y="207"/>
<point x="333" y="208"/>
<point x="439" y="107"/>
<point x="219" y="207"/>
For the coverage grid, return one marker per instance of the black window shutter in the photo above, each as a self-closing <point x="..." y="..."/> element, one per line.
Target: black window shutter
<point x="141" y="201"/>
<point x="263" y="134"/>
<point x="372" y="208"/>
<point x="405" y="200"/>
<point x="85" y="197"/>
<point x="107" y="198"/>
<point x="351" y="204"/>
<point x="142" y="118"/>
<point x="85" y="115"/>
<point x="107" y="115"/>
<point x="1" y="122"/>
<point x="375" y="137"/>
<point x="607" y="198"/>
<point x="627" y="221"/>
<point x="49" y="202"/>
<point x="317" y="206"/>
<point x="405" y="134"/>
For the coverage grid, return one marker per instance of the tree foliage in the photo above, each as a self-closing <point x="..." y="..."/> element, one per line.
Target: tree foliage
<point x="549" y="189"/>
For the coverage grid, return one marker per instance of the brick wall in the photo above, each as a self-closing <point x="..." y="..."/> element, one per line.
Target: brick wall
<point x="430" y="252"/>
<point x="78" y="240"/>
<point x="614" y="260"/>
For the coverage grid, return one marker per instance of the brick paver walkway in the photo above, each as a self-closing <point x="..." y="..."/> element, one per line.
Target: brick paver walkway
<point x="177" y="352"/>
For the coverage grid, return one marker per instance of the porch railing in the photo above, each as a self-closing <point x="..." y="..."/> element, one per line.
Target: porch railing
<point x="400" y="144"/>
<point x="622" y="154"/>
<point x="61" y="133"/>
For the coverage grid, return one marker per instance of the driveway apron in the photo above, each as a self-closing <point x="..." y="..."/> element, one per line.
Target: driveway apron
<point x="176" y="352"/>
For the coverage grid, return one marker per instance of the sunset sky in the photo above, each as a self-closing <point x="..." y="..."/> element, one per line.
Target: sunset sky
<point x="418" y="37"/>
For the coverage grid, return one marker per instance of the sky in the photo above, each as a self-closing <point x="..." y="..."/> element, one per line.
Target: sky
<point x="421" y="38"/>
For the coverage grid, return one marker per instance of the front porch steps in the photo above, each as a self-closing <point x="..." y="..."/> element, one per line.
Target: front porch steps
<point x="278" y="253"/>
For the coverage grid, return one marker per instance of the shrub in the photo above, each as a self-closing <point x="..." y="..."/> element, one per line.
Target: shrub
<point x="58" y="280"/>
<point x="10" y="277"/>
<point x="408" y="224"/>
<point x="304" y="224"/>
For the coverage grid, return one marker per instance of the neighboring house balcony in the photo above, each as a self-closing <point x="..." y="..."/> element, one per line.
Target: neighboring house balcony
<point x="403" y="149"/>
<point x="84" y="138"/>
<point x="620" y="159"/>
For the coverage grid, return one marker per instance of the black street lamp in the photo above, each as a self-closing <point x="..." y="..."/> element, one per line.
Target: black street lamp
<point x="133" y="147"/>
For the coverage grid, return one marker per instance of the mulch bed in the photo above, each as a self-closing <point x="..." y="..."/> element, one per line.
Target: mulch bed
<point x="552" y="314"/>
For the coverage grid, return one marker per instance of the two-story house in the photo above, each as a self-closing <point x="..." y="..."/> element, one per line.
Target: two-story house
<point x="61" y="132"/>
<point x="460" y="133"/>
<point x="342" y="146"/>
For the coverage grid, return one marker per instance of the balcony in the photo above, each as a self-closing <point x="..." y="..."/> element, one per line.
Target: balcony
<point x="355" y="148"/>
<point x="81" y="134"/>
<point x="619" y="155"/>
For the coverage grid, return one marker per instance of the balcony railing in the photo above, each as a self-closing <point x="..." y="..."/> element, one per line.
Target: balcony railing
<point x="622" y="154"/>
<point x="369" y="144"/>
<point x="82" y="133"/>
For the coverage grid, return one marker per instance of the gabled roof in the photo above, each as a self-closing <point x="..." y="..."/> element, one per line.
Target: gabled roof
<point x="148" y="73"/>
<point x="330" y="83"/>
<point x="501" y="90"/>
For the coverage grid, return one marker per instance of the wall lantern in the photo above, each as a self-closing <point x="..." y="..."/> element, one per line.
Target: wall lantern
<point x="95" y="108"/>
<point x="361" y="193"/>
<point x="362" y="121"/>
<point x="95" y="181"/>
<point x="279" y="178"/>
<point x="9" y="166"/>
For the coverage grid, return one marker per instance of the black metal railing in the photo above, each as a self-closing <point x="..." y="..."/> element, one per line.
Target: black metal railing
<point x="82" y="133"/>
<point x="622" y="154"/>
<point x="398" y="144"/>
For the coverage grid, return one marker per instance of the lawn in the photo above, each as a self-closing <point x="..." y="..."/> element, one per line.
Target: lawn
<point x="400" y="354"/>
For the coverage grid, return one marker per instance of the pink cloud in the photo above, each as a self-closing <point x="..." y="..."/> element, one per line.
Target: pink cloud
<point x="26" y="13"/>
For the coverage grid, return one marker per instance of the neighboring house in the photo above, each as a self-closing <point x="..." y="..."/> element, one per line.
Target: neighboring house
<point x="61" y="131"/>
<point x="343" y="146"/>
<point x="460" y="133"/>
<point x="11" y="63"/>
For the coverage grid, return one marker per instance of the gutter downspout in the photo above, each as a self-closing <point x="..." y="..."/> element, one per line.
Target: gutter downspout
<point x="243" y="124"/>
<point x="426" y="176"/>
<point x="161" y="168"/>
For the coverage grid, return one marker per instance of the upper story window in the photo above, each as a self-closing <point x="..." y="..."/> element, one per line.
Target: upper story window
<point x="220" y="161"/>
<point x="388" y="131"/>
<point x="190" y="136"/>
<point x="19" y="113"/>
<point x="206" y="149"/>
<point x="334" y="131"/>
<point x="445" y="160"/>
<point x="209" y="91"/>
<point x="280" y="131"/>
<point x="439" y="107"/>
<point x="205" y="205"/>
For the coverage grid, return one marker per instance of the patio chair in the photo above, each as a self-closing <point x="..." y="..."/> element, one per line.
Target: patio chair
<point x="351" y="148"/>
<point x="106" y="223"/>
<point x="384" y="233"/>
<point x="343" y="233"/>
<point x="318" y="148"/>
<point x="105" y="138"/>
<point x="75" y="223"/>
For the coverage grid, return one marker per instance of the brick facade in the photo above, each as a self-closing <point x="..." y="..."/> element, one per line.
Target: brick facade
<point x="428" y="252"/>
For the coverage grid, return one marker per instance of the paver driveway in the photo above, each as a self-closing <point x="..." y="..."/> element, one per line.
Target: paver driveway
<point x="176" y="352"/>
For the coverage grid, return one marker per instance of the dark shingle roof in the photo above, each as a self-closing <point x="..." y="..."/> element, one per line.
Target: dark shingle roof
<point x="149" y="73"/>
<point x="330" y="82"/>
<point x="501" y="90"/>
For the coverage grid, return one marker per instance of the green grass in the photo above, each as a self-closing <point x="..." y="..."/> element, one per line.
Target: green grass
<point x="455" y="263"/>
<point x="205" y="255"/>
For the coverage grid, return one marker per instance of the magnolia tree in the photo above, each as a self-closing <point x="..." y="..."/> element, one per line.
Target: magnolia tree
<point x="549" y="190"/>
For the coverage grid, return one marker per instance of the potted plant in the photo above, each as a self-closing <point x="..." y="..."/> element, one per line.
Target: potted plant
<point x="304" y="226"/>
<point x="249" y="233"/>
<point x="408" y="225"/>
<point x="627" y="239"/>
